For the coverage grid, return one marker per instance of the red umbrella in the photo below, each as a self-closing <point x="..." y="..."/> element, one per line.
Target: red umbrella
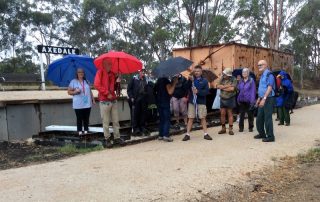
<point x="122" y="62"/>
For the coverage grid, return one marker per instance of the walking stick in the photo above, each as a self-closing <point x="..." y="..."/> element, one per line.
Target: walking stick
<point x="195" y="99"/>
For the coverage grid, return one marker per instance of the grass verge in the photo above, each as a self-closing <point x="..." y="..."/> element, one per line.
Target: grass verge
<point x="313" y="155"/>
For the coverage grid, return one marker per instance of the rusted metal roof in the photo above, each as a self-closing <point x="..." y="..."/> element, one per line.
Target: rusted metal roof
<point x="228" y="44"/>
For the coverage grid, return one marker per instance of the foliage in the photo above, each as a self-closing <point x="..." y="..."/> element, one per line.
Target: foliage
<point x="150" y="29"/>
<point x="305" y="31"/>
<point x="20" y="64"/>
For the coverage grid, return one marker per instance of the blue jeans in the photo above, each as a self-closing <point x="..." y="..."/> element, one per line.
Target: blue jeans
<point x="164" y="115"/>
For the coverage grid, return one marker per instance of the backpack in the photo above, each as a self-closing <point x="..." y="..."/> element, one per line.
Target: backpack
<point x="277" y="88"/>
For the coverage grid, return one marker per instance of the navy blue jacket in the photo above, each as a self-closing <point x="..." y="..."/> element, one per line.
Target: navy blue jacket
<point x="203" y="90"/>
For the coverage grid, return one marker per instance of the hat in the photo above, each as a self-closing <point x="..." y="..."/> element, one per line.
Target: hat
<point x="227" y="72"/>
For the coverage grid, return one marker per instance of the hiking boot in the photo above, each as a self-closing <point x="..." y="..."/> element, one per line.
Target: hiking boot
<point x="207" y="137"/>
<point x="136" y="133"/>
<point x="268" y="139"/>
<point x="259" y="136"/>
<point x="222" y="131"/>
<point x="250" y="129"/>
<point x="120" y="142"/>
<point x="280" y="124"/>
<point x="186" y="138"/>
<point x="167" y="139"/>
<point x="241" y="130"/>
<point x="107" y="143"/>
<point x="231" y="132"/>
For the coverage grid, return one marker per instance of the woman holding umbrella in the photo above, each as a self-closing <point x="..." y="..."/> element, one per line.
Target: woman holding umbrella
<point x="82" y="100"/>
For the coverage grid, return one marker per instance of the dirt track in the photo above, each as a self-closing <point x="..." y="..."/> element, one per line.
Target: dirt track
<point x="158" y="171"/>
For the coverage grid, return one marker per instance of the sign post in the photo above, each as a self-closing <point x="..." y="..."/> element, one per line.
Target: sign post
<point x="53" y="50"/>
<point x="43" y="82"/>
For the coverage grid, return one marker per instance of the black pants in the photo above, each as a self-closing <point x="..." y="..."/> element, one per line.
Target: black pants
<point x="244" y="107"/>
<point x="83" y="118"/>
<point x="139" y="109"/>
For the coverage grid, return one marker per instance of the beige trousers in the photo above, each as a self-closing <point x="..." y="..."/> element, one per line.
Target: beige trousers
<point x="109" y="112"/>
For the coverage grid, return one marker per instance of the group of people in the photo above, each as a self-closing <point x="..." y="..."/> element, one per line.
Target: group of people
<point x="187" y="98"/>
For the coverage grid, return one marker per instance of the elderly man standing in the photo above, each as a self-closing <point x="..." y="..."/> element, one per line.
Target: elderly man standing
<point x="104" y="82"/>
<point x="265" y="103"/>
<point x="227" y="85"/>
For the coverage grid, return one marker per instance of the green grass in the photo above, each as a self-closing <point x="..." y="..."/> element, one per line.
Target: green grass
<point x="313" y="155"/>
<point x="72" y="149"/>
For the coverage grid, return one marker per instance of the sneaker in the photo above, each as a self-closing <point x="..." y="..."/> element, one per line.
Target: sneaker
<point x="167" y="139"/>
<point x="80" y="133"/>
<point x="120" y="142"/>
<point x="107" y="143"/>
<point x="268" y="139"/>
<point x="222" y="131"/>
<point x="287" y="124"/>
<point x="85" y="132"/>
<point x="160" y="138"/>
<point x="259" y="136"/>
<point x="280" y="124"/>
<point x="207" y="137"/>
<point x="186" y="138"/>
<point x="241" y="130"/>
<point x="250" y="129"/>
<point x="145" y="132"/>
<point x="238" y="119"/>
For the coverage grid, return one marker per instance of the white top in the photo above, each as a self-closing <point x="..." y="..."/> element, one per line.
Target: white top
<point x="82" y="100"/>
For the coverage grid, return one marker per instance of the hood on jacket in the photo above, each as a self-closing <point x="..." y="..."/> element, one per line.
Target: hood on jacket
<point x="283" y="74"/>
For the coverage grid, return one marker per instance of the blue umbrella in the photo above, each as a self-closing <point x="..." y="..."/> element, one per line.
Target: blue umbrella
<point x="63" y="70"/>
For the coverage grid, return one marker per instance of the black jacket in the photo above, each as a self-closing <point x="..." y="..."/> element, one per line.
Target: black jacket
<point x="137" y="88"/>
<point x="181" y="89"/>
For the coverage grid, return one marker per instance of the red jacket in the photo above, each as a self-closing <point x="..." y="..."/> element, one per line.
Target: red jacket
<point x="105" y="84"/>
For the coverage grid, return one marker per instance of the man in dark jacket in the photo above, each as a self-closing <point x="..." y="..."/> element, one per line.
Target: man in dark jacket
<point x="137" y="99"/>
<point x="198" y="90"/>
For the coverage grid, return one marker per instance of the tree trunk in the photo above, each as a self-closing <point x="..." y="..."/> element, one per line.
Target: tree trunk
<point x="301" y="74"/>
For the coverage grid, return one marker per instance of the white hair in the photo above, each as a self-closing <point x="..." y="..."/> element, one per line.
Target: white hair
<point x="245" y="70"/>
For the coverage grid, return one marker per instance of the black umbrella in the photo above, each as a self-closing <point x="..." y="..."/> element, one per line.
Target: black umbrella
<point x="237" y="72"/>
<point x="172" y="67"/>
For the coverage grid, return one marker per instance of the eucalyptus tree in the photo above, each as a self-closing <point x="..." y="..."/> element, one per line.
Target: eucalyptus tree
<point x="208" y="21"/>
<point x="305" y="31"/>
<point x="13" y="28"/>
<point x="264" y="22"/>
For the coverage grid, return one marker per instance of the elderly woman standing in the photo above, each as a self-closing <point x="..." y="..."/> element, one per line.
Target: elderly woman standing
<point x="246" y="98"/>
<point x="82" y="100"/>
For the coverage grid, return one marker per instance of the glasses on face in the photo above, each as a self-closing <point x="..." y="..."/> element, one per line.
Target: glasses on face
<point x="80" y="72"/>
<point x="260" y="65"/>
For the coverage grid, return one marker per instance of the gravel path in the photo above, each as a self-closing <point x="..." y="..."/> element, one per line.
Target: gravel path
<point x="159" y="171"/>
